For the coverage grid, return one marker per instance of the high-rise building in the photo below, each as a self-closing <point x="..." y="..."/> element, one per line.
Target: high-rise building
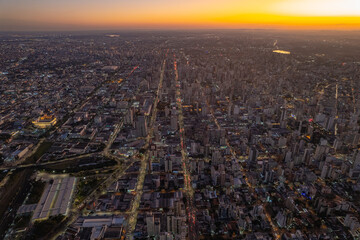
<point x="141" y="126"/>
<point x="253" y="155"/>
<point x="150" y="225"/>
<point x="173" y="120"/>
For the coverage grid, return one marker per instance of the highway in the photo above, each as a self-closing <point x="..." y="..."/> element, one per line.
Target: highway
<point x="44" y="164"/>
<point x="144" y="161"/>
<point x="189" y="191"/>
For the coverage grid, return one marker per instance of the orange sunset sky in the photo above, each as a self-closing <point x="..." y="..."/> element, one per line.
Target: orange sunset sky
<point x="181" y="14"/>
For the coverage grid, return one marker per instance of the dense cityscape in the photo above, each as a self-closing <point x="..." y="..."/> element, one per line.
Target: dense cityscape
<point x="181" y="135"/>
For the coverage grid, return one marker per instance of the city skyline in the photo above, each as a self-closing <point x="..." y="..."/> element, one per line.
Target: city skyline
<point x="25" y="15"/>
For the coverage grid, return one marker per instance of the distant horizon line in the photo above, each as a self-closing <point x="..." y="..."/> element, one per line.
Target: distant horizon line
<point x="182" y="30"/>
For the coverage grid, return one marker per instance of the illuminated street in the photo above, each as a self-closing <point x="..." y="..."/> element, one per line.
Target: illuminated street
<point x="189" y="192"/>
<point x="144" y="159"/>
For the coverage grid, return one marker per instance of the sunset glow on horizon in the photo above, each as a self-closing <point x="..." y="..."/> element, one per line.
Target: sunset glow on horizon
<point x="158" y="14"/>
